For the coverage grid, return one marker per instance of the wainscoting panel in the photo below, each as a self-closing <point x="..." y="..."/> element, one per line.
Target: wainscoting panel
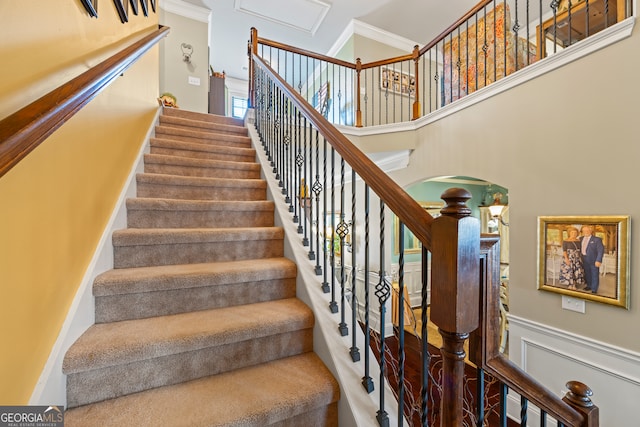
<point x="553" y="357"/>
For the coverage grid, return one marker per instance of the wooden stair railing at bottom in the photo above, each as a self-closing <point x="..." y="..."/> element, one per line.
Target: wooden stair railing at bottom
<point x="413" y="375"/>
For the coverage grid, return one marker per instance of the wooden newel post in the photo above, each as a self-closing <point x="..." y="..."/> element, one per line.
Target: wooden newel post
<point x="252" y="48"/>
<point x="579" y="397"/>
<point x="358" y="109"/>
<point x="416" y="71"/>
<point x="455" y="293"/>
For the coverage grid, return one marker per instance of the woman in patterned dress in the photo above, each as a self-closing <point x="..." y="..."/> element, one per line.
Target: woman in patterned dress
<point x="571" y="270"/>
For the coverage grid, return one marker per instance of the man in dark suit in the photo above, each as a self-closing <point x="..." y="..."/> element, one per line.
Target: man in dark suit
<point x="592" y="252"/>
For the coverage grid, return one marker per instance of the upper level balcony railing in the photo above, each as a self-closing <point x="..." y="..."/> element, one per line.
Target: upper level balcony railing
<point x="490" y="42"/>
<point x="341" y="202"/>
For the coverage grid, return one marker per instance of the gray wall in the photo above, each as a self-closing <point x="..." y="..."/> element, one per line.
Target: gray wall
<point x="174" y="72"/>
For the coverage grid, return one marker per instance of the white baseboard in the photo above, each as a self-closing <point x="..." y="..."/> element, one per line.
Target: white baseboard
<point x="553" y="357"/>
<point x="51" y="388"/>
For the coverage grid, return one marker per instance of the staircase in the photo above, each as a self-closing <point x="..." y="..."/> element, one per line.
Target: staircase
<point x="198" y="323"/>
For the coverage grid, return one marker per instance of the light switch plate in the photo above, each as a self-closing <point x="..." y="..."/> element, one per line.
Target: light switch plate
<point x="194" y="81"/>
<point x="573" y="304"/>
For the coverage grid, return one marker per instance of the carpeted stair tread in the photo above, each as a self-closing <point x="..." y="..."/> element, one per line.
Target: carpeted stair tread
<point x="197" y="150"/>
<point x="166" y="236"/>
<point x="115" y="343"/>
<point x="160" y="278"/>
<point x="203" y="117"/>
<point x="256" y="396"/>
<point x="173" y="213"/>
<point x="195" y="181"/>
<point x="217" y="127"/>
<point x="160" y="204"/>
<point x="174" y="165"/>
<point x="203" y="137"/>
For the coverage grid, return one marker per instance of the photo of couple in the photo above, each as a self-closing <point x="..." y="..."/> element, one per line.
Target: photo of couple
<point x="582" y="256"/>
<point x="585" y="256"/>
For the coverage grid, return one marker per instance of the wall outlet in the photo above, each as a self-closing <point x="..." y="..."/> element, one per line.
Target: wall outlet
<point x="573" y="304"/>
<point x="194" y="81"/>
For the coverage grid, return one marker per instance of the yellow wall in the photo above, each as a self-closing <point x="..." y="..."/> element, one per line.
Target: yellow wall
<point x="57" y="201"/>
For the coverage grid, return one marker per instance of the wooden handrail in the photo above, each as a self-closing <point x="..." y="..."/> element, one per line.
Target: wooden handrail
<point x="402" y="204"/>
<point x="304" y="52"/>
<point x="484" y="347"/>
<point x="24" y="130"/>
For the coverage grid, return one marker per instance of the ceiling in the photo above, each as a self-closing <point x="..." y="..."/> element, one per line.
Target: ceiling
<point x="316" y="25"/>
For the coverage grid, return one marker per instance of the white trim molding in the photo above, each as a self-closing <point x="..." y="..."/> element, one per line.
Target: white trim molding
<point x="554" y="356"/>
<point x="373" y="33"/>
<point x="187" y="10"/>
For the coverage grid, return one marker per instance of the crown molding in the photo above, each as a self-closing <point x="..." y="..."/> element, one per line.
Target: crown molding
<point x="373" y="33"/>
<point x="187" y="10"/>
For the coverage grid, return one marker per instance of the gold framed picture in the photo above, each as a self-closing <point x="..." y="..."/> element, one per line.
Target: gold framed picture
<point x="585" y="257"/>
<point x="411" y="244"/>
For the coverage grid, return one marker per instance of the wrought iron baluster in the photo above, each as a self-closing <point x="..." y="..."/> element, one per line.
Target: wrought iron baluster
<point x="524" y="403"/>
<point x="367" y="381"/>
<point x="400" y="311"/>
<point x="354" y="351"/>
<point x="304" y="191"/>
<point x="504" y="38"/>
<point x="516" y="28"/>
<point x="554" y="7"/>
<point x="426" y="356"/>
<point x="458" y="65"/>
<point x="317" y="189"/>
<point x="342" y="230"/>
<point x="543" y="418"/>
<point x="586" y="21"/>
<point x="333" y="305"/>
<point x="328" y="240"/>
<point x="382" y="292"/>
<point x="504" y="390"/>
<point x="480" y="397"/>
<point x="297" y="174"/>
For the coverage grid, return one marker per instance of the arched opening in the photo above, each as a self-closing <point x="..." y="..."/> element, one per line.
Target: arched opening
<point x="489" y="203"/>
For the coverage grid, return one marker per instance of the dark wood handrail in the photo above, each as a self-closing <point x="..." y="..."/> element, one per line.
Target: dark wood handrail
<point x="484" y="346"/>
<point x="326" y="58"/>
<point x="304" y="52"/>
<point x="402" y="204"/>
<point x="24" y="130"/>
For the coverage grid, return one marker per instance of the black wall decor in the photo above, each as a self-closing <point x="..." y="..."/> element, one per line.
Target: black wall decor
<point x="134" y="6"/>
<point x="123" y="9"/>
<point x="91" y="6"/>
<point x="144" y="5"/>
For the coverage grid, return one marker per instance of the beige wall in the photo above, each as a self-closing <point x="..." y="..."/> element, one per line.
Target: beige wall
<point x="534" y="140"/>
<point x="174" y="72"/>
<point x="57" y="201"/>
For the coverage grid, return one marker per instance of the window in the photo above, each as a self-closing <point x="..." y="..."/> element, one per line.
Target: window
<point x="238" y="107"/>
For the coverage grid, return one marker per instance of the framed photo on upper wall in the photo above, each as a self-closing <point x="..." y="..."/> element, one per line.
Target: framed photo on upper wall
<point x="585" y="257"/>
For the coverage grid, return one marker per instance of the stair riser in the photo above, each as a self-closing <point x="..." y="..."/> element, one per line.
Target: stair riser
<point x="186" y="135"/>
<point x="202" y="126"/>
<point x="184" y="192"/>
<point x="204" y="172"/>
<point x="326" y="416"/>
<point x="187" y="253"/>
<point x="97" y="385"/>
<point x="114" y="308"/>
<point x="203" y="155"/>
<point x="198" y="219"/>
<point x="209" y="118"/>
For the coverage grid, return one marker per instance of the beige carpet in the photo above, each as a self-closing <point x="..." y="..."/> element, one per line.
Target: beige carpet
<point x="198" y="323"/>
